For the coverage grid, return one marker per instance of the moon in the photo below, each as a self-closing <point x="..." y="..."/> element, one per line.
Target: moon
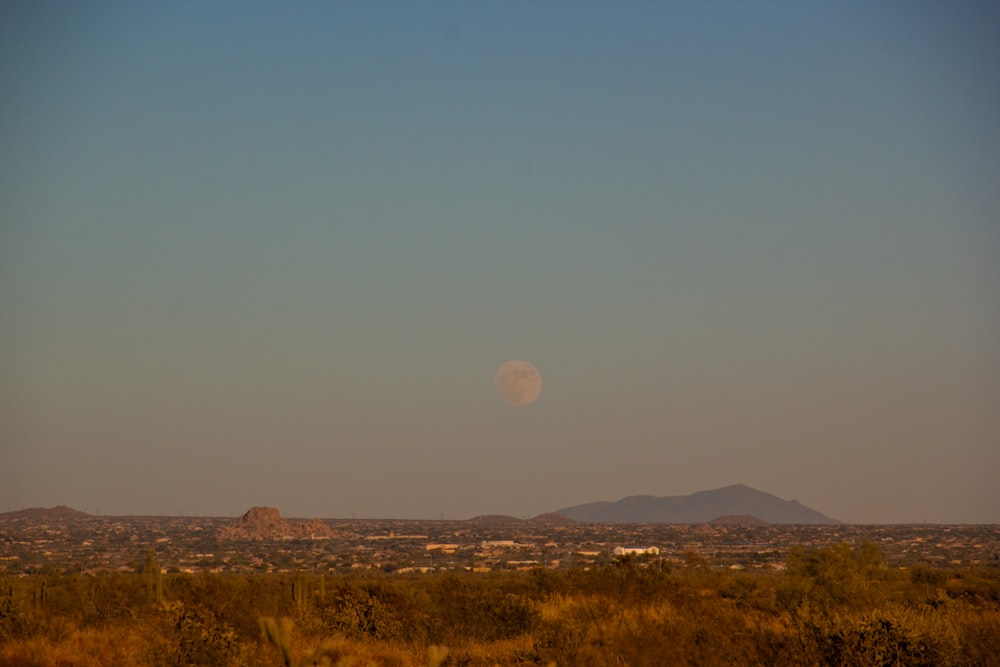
<point x="518" y="383"/>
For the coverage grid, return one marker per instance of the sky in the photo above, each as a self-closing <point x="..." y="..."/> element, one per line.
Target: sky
<point x="258" y="253"/>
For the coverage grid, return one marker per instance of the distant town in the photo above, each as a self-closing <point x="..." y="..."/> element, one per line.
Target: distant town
<point x="62" y="539"/>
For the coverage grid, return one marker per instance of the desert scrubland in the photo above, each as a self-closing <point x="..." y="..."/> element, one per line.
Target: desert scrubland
<point x="837" y="605"/>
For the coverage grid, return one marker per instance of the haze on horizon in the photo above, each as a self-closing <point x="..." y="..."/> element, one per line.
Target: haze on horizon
<point x="272" y="254"/>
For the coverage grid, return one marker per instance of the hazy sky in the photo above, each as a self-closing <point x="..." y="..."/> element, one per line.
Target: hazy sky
<point x="272" y="253"/>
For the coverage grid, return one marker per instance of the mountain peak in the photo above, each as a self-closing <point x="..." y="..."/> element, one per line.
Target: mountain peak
<point x="699" y="507"/>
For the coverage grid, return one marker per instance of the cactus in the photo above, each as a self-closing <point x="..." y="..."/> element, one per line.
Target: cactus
<point x="154" y="578"/>
<point x="278" y="632"/>
<point x="300" y="592"/>
<point x="38" y="596"/>
<point x="436" y="655"/>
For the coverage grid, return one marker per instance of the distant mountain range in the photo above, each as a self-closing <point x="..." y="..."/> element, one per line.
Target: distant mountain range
<point x="731" y="505"/>
<point x="700" y="507"/>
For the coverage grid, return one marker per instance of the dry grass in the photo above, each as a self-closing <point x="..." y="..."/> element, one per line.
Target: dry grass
<point x="623" y="615"/>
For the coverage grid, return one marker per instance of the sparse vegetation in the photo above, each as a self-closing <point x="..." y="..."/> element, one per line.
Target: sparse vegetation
<point x="832" y="606"/>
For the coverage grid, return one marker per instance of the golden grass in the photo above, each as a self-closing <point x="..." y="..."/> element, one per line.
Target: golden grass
<point x="612" y="617"/>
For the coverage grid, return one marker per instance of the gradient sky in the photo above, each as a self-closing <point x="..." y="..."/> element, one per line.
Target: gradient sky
<point x="272" y="253"/>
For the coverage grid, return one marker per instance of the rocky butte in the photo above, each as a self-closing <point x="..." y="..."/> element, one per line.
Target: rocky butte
<point x="265" y="523"/>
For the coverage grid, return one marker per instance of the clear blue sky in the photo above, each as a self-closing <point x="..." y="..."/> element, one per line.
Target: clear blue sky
<point x="272" y="253"/>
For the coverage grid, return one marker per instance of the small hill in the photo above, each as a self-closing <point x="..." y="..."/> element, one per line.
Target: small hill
<point x="59" y="512"/>
<point x="265" y="523"/>
<point x="700" y="507"/>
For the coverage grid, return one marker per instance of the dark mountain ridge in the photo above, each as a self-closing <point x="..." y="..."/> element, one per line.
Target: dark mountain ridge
<point x="47" y="513"/>
<point x="700" y="507"/>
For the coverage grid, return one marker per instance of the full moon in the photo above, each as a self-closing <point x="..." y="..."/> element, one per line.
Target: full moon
<point x="518" y="383"/>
